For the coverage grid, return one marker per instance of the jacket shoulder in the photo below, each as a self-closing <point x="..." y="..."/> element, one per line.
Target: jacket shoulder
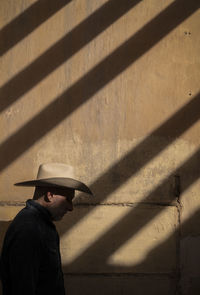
<point x="26" y="225"/>
<point x="25" y="218"/>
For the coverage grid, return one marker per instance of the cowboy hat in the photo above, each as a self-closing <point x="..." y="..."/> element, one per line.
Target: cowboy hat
<point x="56" y="175"/>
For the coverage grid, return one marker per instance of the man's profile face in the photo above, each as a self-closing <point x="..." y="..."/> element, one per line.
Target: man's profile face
<point x="60" y="202"/>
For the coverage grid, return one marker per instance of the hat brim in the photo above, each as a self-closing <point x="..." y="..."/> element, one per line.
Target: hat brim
<point x="57" y="182"/>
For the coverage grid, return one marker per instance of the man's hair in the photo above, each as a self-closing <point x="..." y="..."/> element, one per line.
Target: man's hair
<point x="40" y="192"/>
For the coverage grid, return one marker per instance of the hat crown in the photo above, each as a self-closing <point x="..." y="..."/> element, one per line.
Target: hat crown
<point x="52" y="170"/>
<point x="56" y="175"/>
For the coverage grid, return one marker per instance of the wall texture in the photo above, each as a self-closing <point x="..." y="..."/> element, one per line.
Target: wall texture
<point x="112" y="88"/>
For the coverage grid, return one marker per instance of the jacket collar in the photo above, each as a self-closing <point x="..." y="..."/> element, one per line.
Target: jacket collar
<point x="41" y="210"/>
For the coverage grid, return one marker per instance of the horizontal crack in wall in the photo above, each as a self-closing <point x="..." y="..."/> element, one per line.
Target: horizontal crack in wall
<point x="13" y="203"/>
<point x="134" y="204"/>
<point x="174" y="204"/>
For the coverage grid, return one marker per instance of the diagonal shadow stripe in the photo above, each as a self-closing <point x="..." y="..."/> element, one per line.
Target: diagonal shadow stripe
<point x="137" y="158"/>
<point x="63" y="50"/>
<point x="162" y="250"/>
<point x="28" y="21"/>
<point x="163" y="247"/>
<point x="94" y="80"/>
<point x="128" y="226"/>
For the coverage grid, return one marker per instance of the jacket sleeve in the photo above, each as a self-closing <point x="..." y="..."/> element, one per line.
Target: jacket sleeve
<point x="24" y="261"/>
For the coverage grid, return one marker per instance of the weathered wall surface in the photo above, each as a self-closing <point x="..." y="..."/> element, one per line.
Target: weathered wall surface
<point x="112" y="88"/>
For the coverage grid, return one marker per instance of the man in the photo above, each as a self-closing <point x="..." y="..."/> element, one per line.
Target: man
<point x="30" y="261"/>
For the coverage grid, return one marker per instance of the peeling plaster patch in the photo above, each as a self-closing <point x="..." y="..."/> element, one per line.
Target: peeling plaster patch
<point x="11" y="112"/>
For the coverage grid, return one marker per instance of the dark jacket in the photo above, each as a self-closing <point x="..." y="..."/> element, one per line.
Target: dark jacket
<point x="30" y="260"/>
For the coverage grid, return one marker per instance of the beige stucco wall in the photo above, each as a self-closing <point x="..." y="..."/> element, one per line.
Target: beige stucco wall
<point x="112" y="88"/>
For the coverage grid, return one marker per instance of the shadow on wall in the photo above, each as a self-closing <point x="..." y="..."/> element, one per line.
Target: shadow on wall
<point x="185" y="280"/>
<point x="33" y="16"/>
<point x="129" y="225"/>
<point x="60" y="52"/>
<point x="122" y="171"/>
<point x="188" y="255"/>
<point x="190" y="272"/>
<point x="137" y="158"/>
<point x="88" y="85"/>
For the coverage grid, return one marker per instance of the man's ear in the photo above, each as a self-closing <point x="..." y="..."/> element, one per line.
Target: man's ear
<point x="48" y="197"/>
